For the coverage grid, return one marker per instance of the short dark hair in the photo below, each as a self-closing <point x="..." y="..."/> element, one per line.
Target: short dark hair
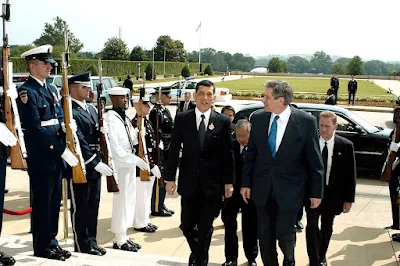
<point x="128" y="77"/>
<point x="228" y="107"/>
<point x="205" y="83"/>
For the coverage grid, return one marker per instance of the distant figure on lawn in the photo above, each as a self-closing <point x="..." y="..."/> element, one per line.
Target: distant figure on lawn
<point x="331" y="100"/>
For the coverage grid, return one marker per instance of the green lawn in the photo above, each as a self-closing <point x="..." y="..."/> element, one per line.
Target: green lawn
<point x="302" y="85"/>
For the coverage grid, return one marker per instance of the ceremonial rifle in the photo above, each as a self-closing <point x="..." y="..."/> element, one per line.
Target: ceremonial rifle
<point x="17" y="152"/>
<point x="78" y="171"/>
<point x="142" y="153"/>
<point x="106" y="155"/>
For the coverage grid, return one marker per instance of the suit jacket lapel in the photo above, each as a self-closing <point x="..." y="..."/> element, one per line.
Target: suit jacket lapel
<point x="45" y="92"/>
<point x="193" y="126"/>
<point x="82" y="111"/>
<point x="289" y="135"/>
<point x="337" y="148"/>
<point x="93" y="114"/>
<point x="212" y="124"/>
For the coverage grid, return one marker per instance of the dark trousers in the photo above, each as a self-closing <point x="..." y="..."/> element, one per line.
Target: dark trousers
<point x="198" y="212"/>
<point x="275" y="224"/>
<point x="3" y="166"/>
<point x="46" y="197"/>
<point x="161" y="197"/>
<point x="85" y="199"/>
<point x="300" y="214"/>
<point x="352" y="96"/>
<point x="335" y="92"/>
<point x="393" y="184"/>
<point x="318" y="239"/>
<point x="249" y="228"/>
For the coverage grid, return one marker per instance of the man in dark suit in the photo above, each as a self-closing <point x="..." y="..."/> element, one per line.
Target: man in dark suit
<point x="331" y="99"/>
<point x="335" y="85"/>
<point x="352" y="89"/>
<point x="206" y="169"/>
<point x="235" y="203"/>
<point x="85" y="198"/>
<point x="7" y="139"/>
<point x="282" y="161"/>
<point x="187" y="104"/>
<point x="339" y="188"/>
<point x="42" y="118"/>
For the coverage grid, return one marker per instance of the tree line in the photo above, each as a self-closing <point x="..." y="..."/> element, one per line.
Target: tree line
<point x="321" y="62"/>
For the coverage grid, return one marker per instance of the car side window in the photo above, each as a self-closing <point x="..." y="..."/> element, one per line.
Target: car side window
<point x="58" y="82"/>
<point x="107" y="84"/>
<point x="113" y="83"/>
<point x="175" y="85"/>
<point x="345" y="124"/>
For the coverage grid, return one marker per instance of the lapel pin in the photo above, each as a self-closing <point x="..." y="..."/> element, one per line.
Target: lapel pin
<point x="211" y="126"/>
<point x="339" y="153"/>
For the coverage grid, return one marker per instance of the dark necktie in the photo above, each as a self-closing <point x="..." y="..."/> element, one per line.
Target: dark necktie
<point x="244" y="151"/>
<point x="272" y="136"/>
<point x="325" y="160"/>
<point x="202" y="131"/>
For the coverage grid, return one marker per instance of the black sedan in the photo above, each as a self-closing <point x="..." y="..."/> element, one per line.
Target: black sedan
<point x="370" y="142"/>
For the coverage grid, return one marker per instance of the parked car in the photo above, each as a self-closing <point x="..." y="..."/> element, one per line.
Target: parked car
<point x="20" y="78"/>
<point x="179" y="88"/>
<point x="108" y="83"/>
<point x="370" y="142"/>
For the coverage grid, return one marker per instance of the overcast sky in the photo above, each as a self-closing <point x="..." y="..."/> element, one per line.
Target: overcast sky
<point x="257" y="27"/>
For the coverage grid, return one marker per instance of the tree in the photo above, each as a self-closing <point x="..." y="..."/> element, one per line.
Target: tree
<point x="208" y="70"/>
<point x="54" y="34"/>
<point x="87" y="55"/>
<point x="321" y="62"/>
<point x="339" y="68"/>
<point x="298" y="64"/>
<point x="376" y="68"/>
<point x="276" y="65"/>
<point x="17" y="50"/>
<point x="139" y="54"/>
<point x="174" y="50"/>
<point x="185" y="72"/>
<point x="193" y="56"/>
<point x="115" y="49"/>
<point x="355" y="66"/>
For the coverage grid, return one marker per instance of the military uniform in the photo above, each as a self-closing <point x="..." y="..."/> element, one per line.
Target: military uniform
<point x="41" y="117"/>
<point x="85" y="198"/>
<point x="165" y="128"/>
<point x="4" y="152"/>
<point x="352" y="89"/>
<point x="144" y="189"/>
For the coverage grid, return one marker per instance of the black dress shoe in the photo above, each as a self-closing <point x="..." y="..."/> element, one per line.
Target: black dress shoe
<point x="6" y="259"/>
<point x="94" y="252"/>
<point x="252" y="263"/>
<point x="102" y="250"/>
<point x="161" y="213"/>
<point x="5" y="191"/>
<point x="126" y="247"/>
<point x="230" y="263"/>
<point x="396" y="237"/>
<point x="146" y="229"/>
<point x="299" y="225"/>
<point x="63" y="252"/>
<point x="391" y="227"/>
<point x="323" y="262"/>
<point x="134" y="244"/>
<point x="152" y="225"/>
<point x="51" y="254"/>
<point x="169" y="210"/>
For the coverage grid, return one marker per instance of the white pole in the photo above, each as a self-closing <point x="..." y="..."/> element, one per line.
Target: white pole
<point x="165" y="51"/>
<point x="152" y="72"/>
<point x="200" y="44"/>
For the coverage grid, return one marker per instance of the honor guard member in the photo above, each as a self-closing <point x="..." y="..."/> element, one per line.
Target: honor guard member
<point x="165" y="125"/>
<point x="144" y="189"/>
<point x="7" y="139"/>
<point x="335" y="86"/>
<point x="123" y="139"/>
<point x="42" y="118"/>
<point x="85" y="198"/>
<point x="352" y="89"/>
<point x="393" y="191"/>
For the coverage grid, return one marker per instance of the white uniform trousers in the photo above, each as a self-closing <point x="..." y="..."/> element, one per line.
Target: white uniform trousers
<point x="144" y="190"/>
<point x="123" y="204"/>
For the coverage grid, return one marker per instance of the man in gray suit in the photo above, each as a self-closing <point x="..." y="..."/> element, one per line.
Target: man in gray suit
<point x="282" y="162"/>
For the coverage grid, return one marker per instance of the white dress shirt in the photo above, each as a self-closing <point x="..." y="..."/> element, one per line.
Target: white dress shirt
<point x="330" y="143"/>
<point x="206" y="117"/>
<point x="39" y="81"/>
<point x="282" y="123"/>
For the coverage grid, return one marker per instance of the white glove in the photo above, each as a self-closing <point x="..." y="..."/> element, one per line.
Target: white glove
<point x="156" y="171"/>
<point x="161" y="145"/>
<point x="104" y="128"/>
<point x="140" y="163"/>
<point x="6" y="136"/>
<point x="394" y="146"/>
<point x="69" y="158"/>
<point x="12" y="91"/>
<point x="395" y="163"/>
<point x="103" y="169"/>
<point x="72" y="125"/>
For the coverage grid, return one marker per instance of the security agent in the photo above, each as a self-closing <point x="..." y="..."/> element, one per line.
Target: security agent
<point x="7" y="139"/>
<point x="166" y="124"/>
<point x="42" y="118"/>
<point x="85" y="198"/>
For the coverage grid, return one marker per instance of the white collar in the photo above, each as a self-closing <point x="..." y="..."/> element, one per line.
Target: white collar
<point x="39" y="81"/>
<point x="81" y="104"/>
<point x="206" y="113"/>
<point x="284" y="115"/>
<point x="329" y="141"/>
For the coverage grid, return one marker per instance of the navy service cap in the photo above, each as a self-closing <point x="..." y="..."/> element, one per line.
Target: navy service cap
<point x="43" y="53"/>
<point x="117" y="91"/>
<point x="82" y="78"/>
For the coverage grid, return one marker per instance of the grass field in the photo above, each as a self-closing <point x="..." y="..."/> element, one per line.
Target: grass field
<point x="303" y="85"/>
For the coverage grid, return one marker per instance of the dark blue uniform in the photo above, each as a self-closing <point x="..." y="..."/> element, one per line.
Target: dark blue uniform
<point x="41" y="117"/>
<point x="85" y="198"/>
<point x="165" y="126"/>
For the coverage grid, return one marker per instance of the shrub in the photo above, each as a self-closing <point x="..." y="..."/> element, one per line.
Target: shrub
<point x="185" y="72"/>
<point x="208" y="70"/>
<point x="149" y="71"/>
<point x="94" y="70"/>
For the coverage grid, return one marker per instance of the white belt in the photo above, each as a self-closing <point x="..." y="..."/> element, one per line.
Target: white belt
<point x="51" y="122"/>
